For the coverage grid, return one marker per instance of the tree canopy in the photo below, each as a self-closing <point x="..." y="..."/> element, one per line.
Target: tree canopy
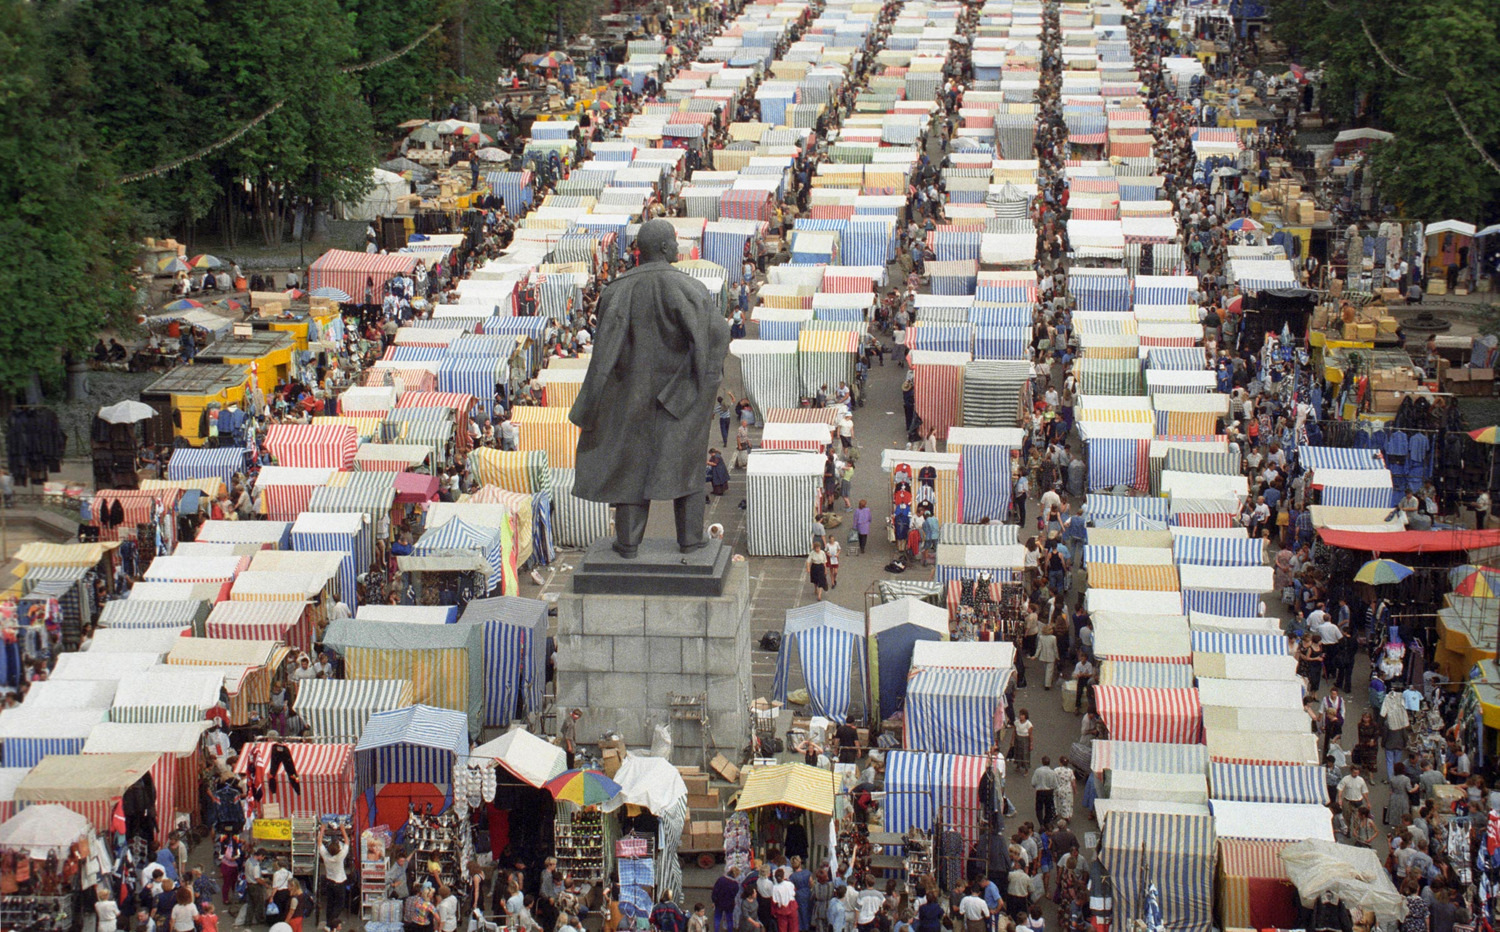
<point x="124" y="118"/>
<point x="1424" y="70"/>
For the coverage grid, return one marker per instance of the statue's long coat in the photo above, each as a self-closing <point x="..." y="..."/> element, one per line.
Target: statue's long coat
<point x="647" y="399"/>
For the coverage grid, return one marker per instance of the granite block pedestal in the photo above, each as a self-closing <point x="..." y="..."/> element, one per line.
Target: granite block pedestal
<point x="632" y="633"/>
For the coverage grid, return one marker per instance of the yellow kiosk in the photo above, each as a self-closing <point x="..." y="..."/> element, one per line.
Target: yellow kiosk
<point x="266" y="353"/>
<point x="182" y="396"/>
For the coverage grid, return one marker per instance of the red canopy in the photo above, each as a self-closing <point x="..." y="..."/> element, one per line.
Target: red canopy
<point x="414" y="488"/>
<point x="1410" y="541"/>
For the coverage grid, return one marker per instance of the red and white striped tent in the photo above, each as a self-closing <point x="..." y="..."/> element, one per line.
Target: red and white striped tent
<point x="286" y="490"/>
<point x="1138" y="713"/>
<point x="353" y="272"/>
<point x="137" y="506"/>
<point x="939" y="384"/>
<point x="288" y="622"/>
<point x="89" y="784"/>
<point x="181" y="741"/>
<point x="325" y="771"/>
<point x="312" y="446"/>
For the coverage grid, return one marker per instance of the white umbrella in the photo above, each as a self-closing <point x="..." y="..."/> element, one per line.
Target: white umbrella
<point x="44" y="829"/>
<point x="127" y="412"/>
<point x="492" y="154"/>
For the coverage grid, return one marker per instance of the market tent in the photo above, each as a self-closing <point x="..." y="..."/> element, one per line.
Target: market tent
<point x="1254" y="889"/>
<point x="150" y="640"/>
<point x="895" y="627"/>
<point x="1271" y="821"/>
<point x="325" y="772"/>
<point x="182" y="741"/>
<point x="1148" y="757"/>
<point x="954" y="711"/>
<point x="336" y="710"/>
<point x="167" y="694"/>
<point x="29" y="733"/>
<point x="263" y="534"/>
<point x="1263" y="747"/>
<point x="312" y="446"/>
<point x="1144" y="786"/>
<point x="445" y="663"/>
<point x="285" y="621"/>
<point x="925" y="790"/>
<point x="64" y="694"/>
<point x="335" y="532"/>
<point x="1245" y="666"/>
<point x="1172" y="716"/>
<point x="1268" y="783"/>
<point x="111" y="667"/>
<point x="781" y="490"/>
<point x="827" y="638"/>
<point x="151" y="613"/>
<point x="795" y="785"/>
<point x="246" y="669"/>
<point x="44" y="830"/>
<point x="91" y="784"/>
<point x="1248" y="694"/>
<point x="532" y="760"/>
<point x="1175" y="852"/>
<point x="1354" y="875"/>
<point x="458" y="534"/>
<point x="419" y="744"/>
<point x="415" y="614"/>
<point x="515" y="655"/>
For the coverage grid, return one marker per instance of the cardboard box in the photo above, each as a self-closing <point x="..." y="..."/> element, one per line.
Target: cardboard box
<point x="726" y="771"/>
<point x="1366" y="331"/>
<point x="1387" y="324"/>
<point x="697" y="784"/>
<point x="612" y="758"/>
<point x="1385" y="402"/>
<point x="704" y="801"/>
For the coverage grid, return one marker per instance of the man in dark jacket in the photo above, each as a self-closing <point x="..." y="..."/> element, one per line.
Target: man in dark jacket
<point x="645" y="405"/>
<point x="726" y="890"/>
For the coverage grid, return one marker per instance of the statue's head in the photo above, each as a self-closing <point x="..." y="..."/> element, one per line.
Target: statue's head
<point x="658" y="241"/>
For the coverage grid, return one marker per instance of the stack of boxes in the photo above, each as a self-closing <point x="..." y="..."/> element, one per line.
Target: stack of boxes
<point x="702" y="832"/>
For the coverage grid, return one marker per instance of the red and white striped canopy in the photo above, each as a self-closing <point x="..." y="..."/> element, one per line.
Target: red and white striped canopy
<point x="313" y="446"/>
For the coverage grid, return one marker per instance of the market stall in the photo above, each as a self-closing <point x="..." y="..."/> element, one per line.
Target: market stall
<point x="406" y="754"/>
<point x="445" y="663"/>
<point x="337" y="710"/>
<point x="44" y="852"/>
<point x="325" y="777"/>
<point x="515" y="655"/>
<point x="791" y="807"/>
<point x="91" y="785"/>
<point x="1174" y="853"/>
<point x="827" y="639"/>
<point x="894" y="628"/>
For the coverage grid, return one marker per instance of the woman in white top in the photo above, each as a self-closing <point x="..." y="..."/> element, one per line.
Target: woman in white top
<point x="107" y="911"/>
<point x="447" y="909"/>
<point x="184" y="914"/>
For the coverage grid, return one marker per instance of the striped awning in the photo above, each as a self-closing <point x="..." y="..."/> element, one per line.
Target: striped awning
<point x="150" y="613"/>
<point x="325" y="773"/>
<point x="1268" y="783"/>
<point x="1176" y="851"/>
<point x="1172" y="716"/>
<point x="206" y="463"/>
<point x="828" y="638"/>
<point x="953" y="711"/>
<point x="312" y="446"/>
<point x="1218" y="551"/>
<point x="418" y="744"/>
<point x="796" y="785"/>
<point x="1146" y="675"/>
<point x="1340" y="458"/>
<point x="515" y="655"/>
<point x="337" y="710"/>
<point x="1255" y="890"/>
<point x="1139" y="577"/>
<point x="1221" y="642"/>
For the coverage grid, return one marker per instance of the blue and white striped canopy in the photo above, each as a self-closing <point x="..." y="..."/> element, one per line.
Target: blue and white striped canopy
<point x="985" y="476"/>
<point x="1221" y="642"/>
<point x="953" y="711"/>
<point x="458" y="534"/>
<point x="1179" y="358"/>
<point x="515" y="654"/>
<point x="418" y="744"/>
<point x="1130" y="521"/>
<point x="1339" y="458"/>
<point x="206" y="463"/>
<point x="1113" y="461"/>
<point x="1268" y="783"/>
<point x="1217" y="551"/>
<point x="1000" y="315"/>
<point x="1002" y="343"/>
<point x="828" y="638"/>
<point x="1345" y="497"/>
<point x="1109" y="506"/>
<point x="1228" y="604"/>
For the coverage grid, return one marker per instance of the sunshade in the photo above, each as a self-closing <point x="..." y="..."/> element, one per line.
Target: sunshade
<point x="526" y="756"/>
<point x="1382" y="572"/>
<point x="44" y="830"/>
<point x="126" y="412"/>
<point x="796" y="785"/>
<point x="582" y="787"/>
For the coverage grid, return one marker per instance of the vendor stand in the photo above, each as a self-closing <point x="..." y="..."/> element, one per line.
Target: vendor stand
<point x="791" y="809"/>
<point x="56" y="845"/>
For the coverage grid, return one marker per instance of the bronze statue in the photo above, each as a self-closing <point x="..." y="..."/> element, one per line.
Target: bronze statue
<point x="647" y="399"/>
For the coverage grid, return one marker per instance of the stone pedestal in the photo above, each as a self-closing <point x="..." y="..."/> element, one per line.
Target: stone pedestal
<point x="620" y="656"/>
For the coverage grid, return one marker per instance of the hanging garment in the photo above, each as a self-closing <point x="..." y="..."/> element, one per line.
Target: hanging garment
<point x="281" y="759"/>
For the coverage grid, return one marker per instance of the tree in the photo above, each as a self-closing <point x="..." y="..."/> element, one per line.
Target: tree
<point x="65" y="228"/>
<point x="1423" y="70"/>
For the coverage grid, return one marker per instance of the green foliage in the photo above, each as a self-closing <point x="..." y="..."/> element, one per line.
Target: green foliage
<point x="1437" y="48"/>
<point x="64" y="229"/>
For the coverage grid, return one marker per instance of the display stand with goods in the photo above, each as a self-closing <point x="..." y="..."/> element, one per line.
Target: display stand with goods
<point x="440" y="838"/>
<point x="374" y="861"/>
<point x="737" y="846"/>
<point x="579" y="840"/>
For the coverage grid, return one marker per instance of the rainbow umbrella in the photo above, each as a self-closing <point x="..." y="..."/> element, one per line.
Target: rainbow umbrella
<point x="582" y="787"/>
<point x="170" y="265"/>
<point x="1382" y="572"/>
<point x="1476" y="585"/>
<point x="182" y="304"/>
<point x="205" y="261"/>
<point x="229" y="304"/>
<point x="1461" y="572"/>
<point x="1243" y="223"/>
<point x="1486" y="434"/>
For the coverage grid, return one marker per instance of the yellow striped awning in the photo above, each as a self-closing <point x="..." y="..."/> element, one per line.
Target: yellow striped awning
<point x="827" y="341"/>
<point x="1116" y="415"/>
<point x="796" y="785"/>
<point x="1109" y="352"/>
<point x="208" y="485"/>
<point x="1139" y="577"/>
<point x="439" y="677"/>
<point x="1192" y="423"/>
<point x="547" y="429"/>
<point x="41" y="554"/>
<point x="365" y="427"/>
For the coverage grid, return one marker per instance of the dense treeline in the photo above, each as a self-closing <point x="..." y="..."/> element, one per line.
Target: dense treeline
<point x="1426" y="70"/>
<point x="114" y="116"/>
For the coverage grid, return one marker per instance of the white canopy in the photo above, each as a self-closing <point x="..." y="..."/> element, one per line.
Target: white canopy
<point x="649" y="782"/>
<point x="44" y="829"/>
<point x="1271" y="821"/>
<point x="525" y="755"/>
